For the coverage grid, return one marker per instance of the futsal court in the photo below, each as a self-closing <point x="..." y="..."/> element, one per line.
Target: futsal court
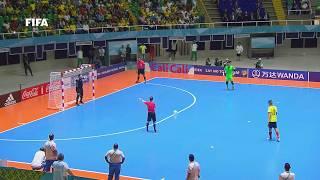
<point x="225" y="130"/>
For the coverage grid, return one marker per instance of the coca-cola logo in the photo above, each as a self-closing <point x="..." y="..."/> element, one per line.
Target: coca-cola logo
<point x="30" y="93"/>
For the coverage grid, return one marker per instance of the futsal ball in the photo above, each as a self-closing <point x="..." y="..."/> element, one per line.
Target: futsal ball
<point x="175" y="112"/>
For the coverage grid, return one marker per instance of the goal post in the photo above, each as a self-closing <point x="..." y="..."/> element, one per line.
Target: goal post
<point x="62" y="89"/>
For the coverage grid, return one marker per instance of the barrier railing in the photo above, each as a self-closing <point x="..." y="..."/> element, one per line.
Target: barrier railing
<point x="44" y="33"/>
<point x="300" y="12"/>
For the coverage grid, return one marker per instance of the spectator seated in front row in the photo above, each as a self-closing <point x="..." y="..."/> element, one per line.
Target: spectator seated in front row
<point x="217" y="62"/>
<point x="259" y="64"/>
<point x="208" y="63"/>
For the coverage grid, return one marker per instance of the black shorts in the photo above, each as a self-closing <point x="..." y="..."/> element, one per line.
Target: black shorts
<point x="140" y="71"/>
<point x="151" y="116"/>
<point x="272" y="125"/>
<point x="79" y="91"/>
<point x="238" y="54"/>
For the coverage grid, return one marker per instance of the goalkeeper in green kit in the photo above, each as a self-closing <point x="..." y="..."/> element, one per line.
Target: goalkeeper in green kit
<point x="229" y="69"/>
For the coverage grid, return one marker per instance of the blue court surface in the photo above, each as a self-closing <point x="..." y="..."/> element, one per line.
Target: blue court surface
<point x="226" y="130"/>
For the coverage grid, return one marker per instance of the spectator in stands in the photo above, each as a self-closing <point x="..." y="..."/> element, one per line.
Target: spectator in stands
<point x="246" y="16"/>
<point x="217" y="62"/>
<point x="26" y="64"/>
<point x="295" y="7"/>
<point x="287" y="175"/>
<point x="305" y="6"/>
<point x="115" y="159"/>
<point x="208" y="63"/>
<point x="194" y="49"/>
<point x="239" y="50"/>
<point x="259" y="64"/>
<point x="193" y="171"/>
<point x="122" y="53"/>
<point x="101" y="55"/>
<point x="225" y="17"/>
<point x="51" y="153"/>
<point x="80" y="57"/>
<point x="91" y="55"/>
<point x="252" y="18"/>
<point x="39" y="159"/>
<point x="128" y="53"/>
<point x="233" y="17"/>
<point x="60" y="169"/>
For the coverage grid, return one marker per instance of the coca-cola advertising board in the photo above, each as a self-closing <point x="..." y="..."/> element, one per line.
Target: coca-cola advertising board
<point x="35" y="91"/>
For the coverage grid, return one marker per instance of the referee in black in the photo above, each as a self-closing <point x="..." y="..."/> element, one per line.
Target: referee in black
<point x="79" y="89"/>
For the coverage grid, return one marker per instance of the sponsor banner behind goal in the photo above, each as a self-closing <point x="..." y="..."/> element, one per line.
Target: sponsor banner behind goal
<point x="278" y="74"/>
<point x="34" y="91"/>
<point x="10" y="99"/>
<point x="218" y="71"/>
<point x="314" y="76"/>
<point x="173" y="68"/>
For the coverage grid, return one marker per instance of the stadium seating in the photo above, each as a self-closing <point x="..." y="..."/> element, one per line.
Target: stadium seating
<point x="298" y="6"/>
<point x="240" y="8"/>
<point x="75" y="14"/>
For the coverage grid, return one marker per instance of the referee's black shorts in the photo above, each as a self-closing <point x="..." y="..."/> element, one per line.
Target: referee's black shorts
<point x="272" y="125"/>
<point x="141" y="71"/>
<point x="151" y="116"/>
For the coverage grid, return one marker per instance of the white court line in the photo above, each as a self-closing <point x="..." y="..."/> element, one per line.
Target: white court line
<point x="73" y="107"/>
<point x="116" y="133"/>
<point x="86" y="171"/>
<point x="235" y="82"/>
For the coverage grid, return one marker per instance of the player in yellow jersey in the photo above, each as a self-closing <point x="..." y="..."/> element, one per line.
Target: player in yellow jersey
<point x="272" y="120"/>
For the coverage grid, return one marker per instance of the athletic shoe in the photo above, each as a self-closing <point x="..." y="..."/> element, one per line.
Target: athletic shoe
<point x="278" y="140"/>
<point x="270" y="139"/>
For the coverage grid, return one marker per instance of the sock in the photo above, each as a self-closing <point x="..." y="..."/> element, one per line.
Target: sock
<point x="147" y="126"/>
<point x="144" y="78"/>
<point x="270" y="134"/>
<point x="154" y="127"/>
<point x="232" y="83"/>
<point x="227" y="83"/>
<point x="278" y="135"/>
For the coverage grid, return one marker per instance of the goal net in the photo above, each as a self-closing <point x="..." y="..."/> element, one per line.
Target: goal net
<point x="62" y="89"/>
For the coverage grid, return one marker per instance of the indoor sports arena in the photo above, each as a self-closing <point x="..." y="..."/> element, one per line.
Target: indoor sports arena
<point x="159" y="90"/>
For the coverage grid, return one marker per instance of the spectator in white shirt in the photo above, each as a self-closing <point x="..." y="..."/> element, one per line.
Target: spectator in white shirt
<point x="287" y="175"/>
<point x="61" y="169"/>
<point x="239" y="50"/>
<point x="101" y="55"/>
<point x="51" y="153"/>
<point x="194" y="49"/>
<point x="80" y="57"/>
<point x="193" y="172"/>
<point x="85" y="27"/>
<point x="39" y="159"/>
<point x="114" y="158"/>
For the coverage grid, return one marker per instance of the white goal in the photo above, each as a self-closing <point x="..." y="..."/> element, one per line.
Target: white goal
<point x="62" y="89"/>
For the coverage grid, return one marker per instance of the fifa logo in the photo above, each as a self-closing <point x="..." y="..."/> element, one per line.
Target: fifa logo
<point x="35" y="22"/>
